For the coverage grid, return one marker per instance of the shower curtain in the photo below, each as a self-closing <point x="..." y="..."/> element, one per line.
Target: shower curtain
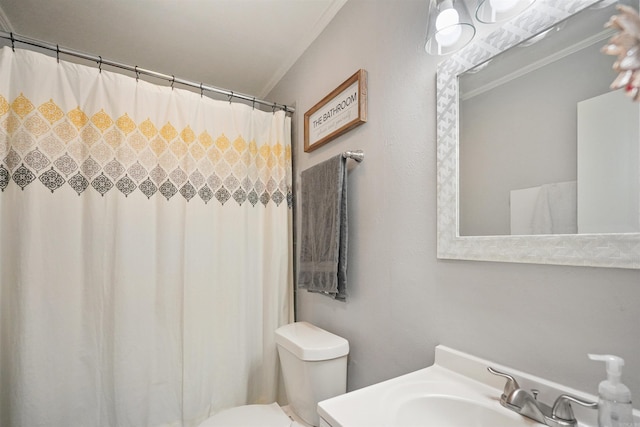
<point x="144" y="248"/>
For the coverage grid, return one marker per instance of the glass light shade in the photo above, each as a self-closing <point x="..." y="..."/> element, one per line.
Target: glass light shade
<point x="449" y="27"/>
<point x="491" y="11"/>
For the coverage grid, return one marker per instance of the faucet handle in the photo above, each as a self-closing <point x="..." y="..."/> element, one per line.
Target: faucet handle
<point x="562" y="407"/>
<point x="509" y="387"/>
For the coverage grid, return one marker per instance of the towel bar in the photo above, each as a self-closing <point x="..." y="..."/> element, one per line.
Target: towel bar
<point x="357" y="155"/>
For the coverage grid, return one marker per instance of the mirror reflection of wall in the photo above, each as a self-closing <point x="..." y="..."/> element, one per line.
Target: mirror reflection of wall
<point x="519" y="164"/>
<point x="608" y="197"/>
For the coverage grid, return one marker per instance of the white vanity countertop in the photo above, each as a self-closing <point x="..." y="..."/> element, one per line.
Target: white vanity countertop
<point x="376" y="405"/>
<point x="453" y="374"/>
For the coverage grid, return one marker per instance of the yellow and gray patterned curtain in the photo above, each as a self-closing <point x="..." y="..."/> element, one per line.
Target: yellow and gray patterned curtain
<point x="144" y="248"/>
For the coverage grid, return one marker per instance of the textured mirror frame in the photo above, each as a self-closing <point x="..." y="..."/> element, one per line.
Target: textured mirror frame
<point x="596" y="250"/>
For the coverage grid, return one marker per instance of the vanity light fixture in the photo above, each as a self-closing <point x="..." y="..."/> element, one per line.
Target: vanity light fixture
<point x="492" y="11"/>
<point x="449" y="28"/>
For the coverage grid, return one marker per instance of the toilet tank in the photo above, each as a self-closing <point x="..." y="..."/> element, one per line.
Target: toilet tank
<point x="314" y="366"/>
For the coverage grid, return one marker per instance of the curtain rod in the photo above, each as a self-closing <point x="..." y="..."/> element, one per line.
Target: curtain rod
<point x="138" y="70"/>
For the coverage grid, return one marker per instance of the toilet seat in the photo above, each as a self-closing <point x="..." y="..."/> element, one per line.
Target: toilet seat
<point x="250" y="416"/>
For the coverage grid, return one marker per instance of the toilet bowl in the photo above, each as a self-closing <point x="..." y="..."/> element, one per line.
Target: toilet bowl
<point x="314" y="368"/>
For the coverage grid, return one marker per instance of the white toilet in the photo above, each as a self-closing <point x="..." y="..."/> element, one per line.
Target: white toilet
<point x="314" y="368"/>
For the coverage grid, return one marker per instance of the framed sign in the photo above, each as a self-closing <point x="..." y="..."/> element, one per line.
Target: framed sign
<point x="340" y="111"/>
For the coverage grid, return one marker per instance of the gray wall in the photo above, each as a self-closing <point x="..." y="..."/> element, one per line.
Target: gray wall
<point x="403" y="301"/>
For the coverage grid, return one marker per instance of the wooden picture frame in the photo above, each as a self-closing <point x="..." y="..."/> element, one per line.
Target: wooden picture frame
<point x="339" y="112"/>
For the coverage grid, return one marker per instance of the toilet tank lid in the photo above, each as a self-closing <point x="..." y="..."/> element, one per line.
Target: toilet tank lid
<point x="308" y="342"/>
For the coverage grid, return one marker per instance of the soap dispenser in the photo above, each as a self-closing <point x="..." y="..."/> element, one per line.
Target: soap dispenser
<point x="614" y="403"/>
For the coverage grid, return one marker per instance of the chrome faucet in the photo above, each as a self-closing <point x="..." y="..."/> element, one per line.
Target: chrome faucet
<point x="527" y="404"/>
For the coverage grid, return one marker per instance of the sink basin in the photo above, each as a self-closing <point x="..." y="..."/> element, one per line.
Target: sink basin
<point x="448" y="411"/>
<point x="451" y="403"/>
<point x="431" y="397"/>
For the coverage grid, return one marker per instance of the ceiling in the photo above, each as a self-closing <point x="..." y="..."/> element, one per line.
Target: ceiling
<point x="241" y="45"/>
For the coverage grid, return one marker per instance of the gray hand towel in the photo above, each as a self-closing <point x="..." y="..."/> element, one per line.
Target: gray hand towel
<point x="323" y="237"/>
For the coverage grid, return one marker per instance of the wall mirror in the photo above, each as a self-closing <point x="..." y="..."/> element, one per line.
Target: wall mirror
<point x="538" y="160"/>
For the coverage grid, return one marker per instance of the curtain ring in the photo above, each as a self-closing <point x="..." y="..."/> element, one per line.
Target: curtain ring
<point x="253" y="103"/>
<point x="273" y="109"/>
<point x="201" y="91"/>
<point x="100" y="64"/>
<point x="230" y="97"/>
<point x="13" y="42"/>
<point x="137" y="73"/>
<point x="58" y="53"/>
<point x="173" y="80"/>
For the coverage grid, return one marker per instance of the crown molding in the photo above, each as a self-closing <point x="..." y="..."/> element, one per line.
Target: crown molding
<point x="302" y="45"/>
<point x="583" y="44"/>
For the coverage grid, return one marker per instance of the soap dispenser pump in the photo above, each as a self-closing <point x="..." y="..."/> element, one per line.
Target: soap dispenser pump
<point x="614" y="403"/>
